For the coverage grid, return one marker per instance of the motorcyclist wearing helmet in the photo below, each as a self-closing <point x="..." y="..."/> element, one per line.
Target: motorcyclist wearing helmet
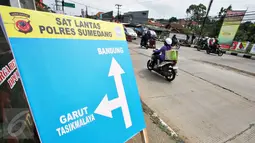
<point x="162" y="51"/>
<point x="216" y="43"/>
<point x="145" y="38"/>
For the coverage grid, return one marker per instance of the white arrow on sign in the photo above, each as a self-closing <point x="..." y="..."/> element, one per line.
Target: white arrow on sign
<point x="105" y="107"/>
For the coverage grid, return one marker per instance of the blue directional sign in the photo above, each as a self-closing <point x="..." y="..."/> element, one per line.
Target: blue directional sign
<point x="77" y="75"/>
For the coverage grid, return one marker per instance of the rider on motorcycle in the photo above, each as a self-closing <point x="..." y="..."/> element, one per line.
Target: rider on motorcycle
<point x="162" y="51"/>
<point x="210" y="42"/>
<point x="213" y="43"/>
<point x="146" y="36"/>
<point x="174" y="40"/>
<point x="204" y="41"/>
<point x="216" y="43"/>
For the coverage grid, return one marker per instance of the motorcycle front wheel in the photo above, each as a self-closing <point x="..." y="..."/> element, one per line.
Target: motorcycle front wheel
<point x="220" y="53"/>
<point x="149" y="65"/>
<point x="178" y="46"/>
<point x="208" y="51"/>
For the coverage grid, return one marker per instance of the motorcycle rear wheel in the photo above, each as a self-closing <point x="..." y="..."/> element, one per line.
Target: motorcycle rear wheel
<point x="171" y="75"/>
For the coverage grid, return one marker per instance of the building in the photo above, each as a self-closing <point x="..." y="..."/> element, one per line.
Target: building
<point x="28" y="4"/>
<point x="136" y="17"/>
<point x="184" y="22"/>
<point x="107" y="16"/>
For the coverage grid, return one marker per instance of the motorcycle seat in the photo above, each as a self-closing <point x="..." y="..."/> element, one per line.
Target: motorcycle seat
<point x="169" y="61"/>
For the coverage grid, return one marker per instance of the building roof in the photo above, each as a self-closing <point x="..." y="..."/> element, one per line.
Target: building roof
<point x="155" y="28"/>
<point x="155" y="23"/>
<point x="98" y="14"/>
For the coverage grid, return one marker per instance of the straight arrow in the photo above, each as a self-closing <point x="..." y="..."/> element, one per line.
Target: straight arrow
<point x="105" y="107"/>
<point x="116" y="71"/>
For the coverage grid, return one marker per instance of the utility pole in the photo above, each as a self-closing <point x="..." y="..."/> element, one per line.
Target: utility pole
<point x="208" y="10"/>
<point x="86" y="12"/>
<point x="63" y="2"/>
<point x="82" y="13"/>
<point x="118" y="7"/>
<point x="56" y="3"/>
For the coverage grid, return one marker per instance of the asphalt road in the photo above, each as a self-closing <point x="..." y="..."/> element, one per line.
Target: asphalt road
<point x="211" y="100"/>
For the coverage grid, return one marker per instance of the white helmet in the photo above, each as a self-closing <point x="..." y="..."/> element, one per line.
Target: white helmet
<point x="168" y="41"/>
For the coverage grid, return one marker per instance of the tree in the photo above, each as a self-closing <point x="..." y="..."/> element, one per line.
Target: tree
<point x="197" y="12"/>
<point x="213" y="25"/>
<point x="223" y="11"/>
<point x="151" y="19"/>
<point x="173" y="19"/>
<point x="246" y="32"/>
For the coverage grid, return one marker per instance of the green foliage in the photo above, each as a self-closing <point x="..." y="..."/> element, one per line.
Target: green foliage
<point x="186" y="31"/>
<point x="246" y="32"/>
<point x="213" y="24"/>
<point x="197" y="12"/>
<point x="173" y="19"/>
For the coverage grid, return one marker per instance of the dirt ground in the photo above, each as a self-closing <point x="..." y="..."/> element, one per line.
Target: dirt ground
<point x="155" y="133"/>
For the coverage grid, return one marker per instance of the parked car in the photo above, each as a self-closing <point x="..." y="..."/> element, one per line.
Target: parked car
<point x="130" y="32"/>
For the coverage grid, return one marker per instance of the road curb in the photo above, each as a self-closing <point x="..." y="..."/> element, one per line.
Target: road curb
<point x="240" y="54"/>
<point x="243" y="55"/>
<point x="158" y="121"/>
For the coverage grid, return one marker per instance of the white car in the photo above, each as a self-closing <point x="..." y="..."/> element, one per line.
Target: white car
<point x="131" y="32"/>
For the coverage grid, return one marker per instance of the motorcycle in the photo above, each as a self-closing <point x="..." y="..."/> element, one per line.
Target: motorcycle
<point x="167" y="68"/>
<point x="151" y="43"/>
<point x="202" y="45"/>
<point x="144" y="44"/>
<point x="216" y="50"/>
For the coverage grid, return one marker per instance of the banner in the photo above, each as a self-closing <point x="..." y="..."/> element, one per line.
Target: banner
<point x="253" y="49"/>
<point x="234" y="46"/>
<point x="230" y="26"/>
<point x="225" y="47"/>
<point x="243" y="46"/>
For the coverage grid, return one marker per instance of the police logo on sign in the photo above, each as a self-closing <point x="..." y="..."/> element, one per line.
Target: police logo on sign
<point x="22" y="22"/>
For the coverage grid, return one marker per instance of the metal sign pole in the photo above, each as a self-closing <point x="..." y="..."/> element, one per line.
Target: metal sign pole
<point x="34" y="4"/>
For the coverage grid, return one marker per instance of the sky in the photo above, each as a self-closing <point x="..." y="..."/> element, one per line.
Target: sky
<point x="157" y="8"/>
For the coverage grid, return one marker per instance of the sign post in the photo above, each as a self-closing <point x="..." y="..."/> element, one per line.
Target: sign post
<point x="77" y="76"/>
